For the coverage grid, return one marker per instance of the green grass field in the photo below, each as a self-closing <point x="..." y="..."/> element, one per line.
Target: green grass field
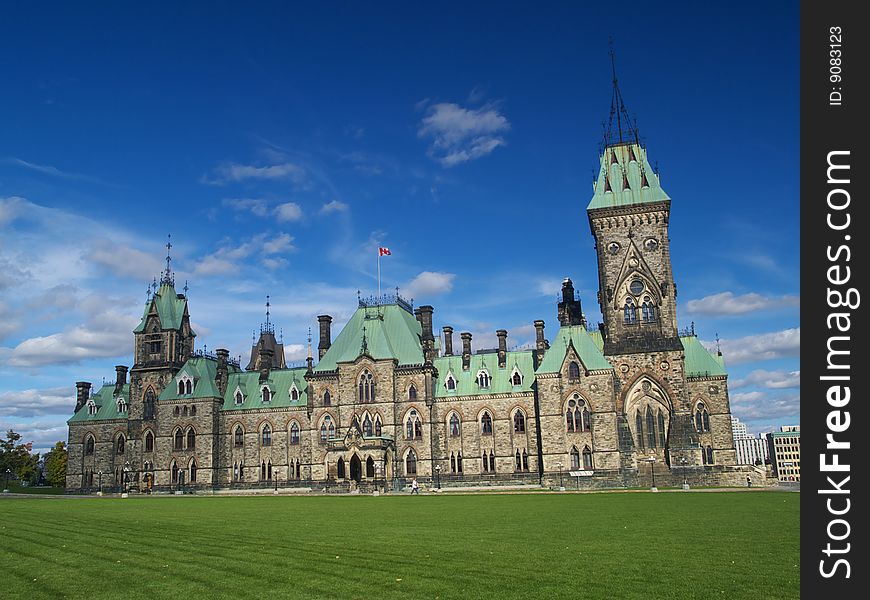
<point x="611" y="545"/>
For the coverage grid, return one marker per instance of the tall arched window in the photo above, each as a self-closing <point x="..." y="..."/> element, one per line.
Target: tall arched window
<point x="294" y="433"/>
<point x="491" y="461"/>
<point x="366" y="387"/>
<point x="454" y="425"/>
<point x="709" y="455"/>
<point x="702" y="418"/>
<point x="192" y="411"/>
<point x="525" y="460"/>
<point x="519" y="422"/>
<point x="120" y="444"/>
<point x="630" y="312"/>
<point x="239" y="436"/>
<point x="411" y="463"/>
<point x="180" y="388"/>
<point x="452" y="462"/>
<point x="650" y="428"/>
<point x="174" y="470"/>
<point x="412" y="393"/>
<point x="587" y="458"/>
<point x="486" y="423"/>
<point x="149" y="442"/>
<point x="367" y="426"/>
<point x="459" y="461"/>
<point x="267" y="394"/>
<point x="267" y="435"/>
<point x="327" y="398"/>
<point x="638" y="425"/>
<point x="240" y="399"/>
<point x="577" y="416"/>
<point x="188" y="387"/>
<point x="378" y="425"/>
<point x="89" y="445"/>
<point x="648" y="312"/>
<point x="573" y="371"/>
<point x="518" y="461"/>
<point x="193" y="471"/>
<point x="148" y="404"/>
<point x="179" y="439"/>
<point x="516" y="378"/>
<point x="661" y="429"/>
<point x="294" y="392"/>
<point x="339" y="468"/>
<point x="485" y="462"/>
<point x="327" y="429"/>
<point x="450" y="382"/>
<point x="191" y="439"/>
<point x="575" y="458"/>
<point x="413" y="426"/>
<point x="483" y="378"/>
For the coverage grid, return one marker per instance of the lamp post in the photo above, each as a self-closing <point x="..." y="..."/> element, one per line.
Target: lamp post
<point x="99" y="481"/>
<point x="685" y="476"/>
<point x="652" y="470"/>
<point x="438" y="477"/>
<point x="6" y="487"/>
<point x="126" y="477"/>
<point x="377" y="477"/>
<point x="561" y="485"/>
<point x="275" y="477"/>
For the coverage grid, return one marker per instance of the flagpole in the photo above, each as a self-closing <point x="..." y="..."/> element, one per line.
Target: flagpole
<point x="379" y="274"/>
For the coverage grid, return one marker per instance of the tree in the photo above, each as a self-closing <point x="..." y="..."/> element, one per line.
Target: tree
<point x="55" y="465"/>
<point x="17" y="458"/>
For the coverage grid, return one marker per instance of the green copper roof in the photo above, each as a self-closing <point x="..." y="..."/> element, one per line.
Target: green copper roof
<point x="170" y="308"/>
<point x="390" y="332"/>
<point x="500" y="379"/>
<point x="621" y="162"/>
<point x="584" y="344"/>
<point x="699" y="361"/>
<point x="202" y="370"/>
<point x="107" y="405"/>
<point x="598" y="339"/>
<point x="280" y="383"/>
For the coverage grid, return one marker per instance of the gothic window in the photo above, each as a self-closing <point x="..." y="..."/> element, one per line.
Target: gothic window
<point x="661" y="429"/>
<point x="191" y="439"/>
<point x="193" y="471"/>
<point x="239" y="437"/>
<point x="647" y="310"/>
<point x="459" y="461"/>
<point x="148" y="403"/>
<point x="525" y="460"/>
<point x="192" y="411"/>
<point x="327" y="399"/>
<point x="486" y="424"/>
<point x="577" y="416"/>
<point x="179" y="439"/>
<point x="294" y="393"/>
<point x="267" y="435"/>
<point x="180" y="388"/>
<point x="177" y="410"/>
<point x="638" y="426"/>
<point x="519" y="461"/>
<point x="452" y="462"/>
<point x="411" y="463"/>
<point x="92" y="407"/>
<point x="587" y="458"/>
<point x="149" y="442"/>
<point x="188" y="388"/>
<point x="120" y="444"/>
<point x="367" y="426"/>
<point x="340" y="469"/>
<point x="709" y="455"/>
<point x="454" y="425"/>
<point x="450" y="382"/>
<point x="366" y="387"/>
<point x="174" y="472"/>
<point x="573" y="371"/>
<point x="378" y="425"/>
<point x="575" y="458"/>
<point x="519" y="422"/>
<point x="491" y="461"/>
<point x="702" y="418"/>
<point x="413" y="426"/>
<point x="184" y="411"/>
<point x="239" y="397"/>
<point x="294" y="433"/>
<point x="267" y="394"/>
<point x="650" y="428"/>
<point x="412" y="393"/>
<point x="122" y="406"/>
<point x="89" y="445"/>
<point x="483" y="378"/>
<point x="516" y="378"/>
<point x="630" y="312"/>
<point x="327" y="429"/>
<point x="485" y="462"/>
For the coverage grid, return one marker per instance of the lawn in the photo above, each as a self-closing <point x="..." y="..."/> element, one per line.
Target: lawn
<point x="610" y="545"/>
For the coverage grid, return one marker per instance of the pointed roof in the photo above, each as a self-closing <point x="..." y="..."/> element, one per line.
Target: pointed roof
<point x="626" y="182"/>
<point x="700" y="362"/>
<point x="583" y="343"/>
<point x="106" y="401"/>
<point x="169" y="305"/>
<point x="500" y="378"/>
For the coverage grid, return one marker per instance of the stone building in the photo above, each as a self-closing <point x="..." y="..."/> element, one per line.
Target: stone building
<point x="390" y="398"/>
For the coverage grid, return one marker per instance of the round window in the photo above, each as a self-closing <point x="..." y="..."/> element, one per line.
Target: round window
<point x="571" y="404"/>
<point x="636" y="286"/>
<point x="651" y="244"/>
<point x="613" y="247"/>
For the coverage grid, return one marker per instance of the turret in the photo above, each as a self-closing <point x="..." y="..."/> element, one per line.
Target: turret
<point x="83" y="390"/>
<point x="502" y="348"/>
<point x="325" y="335"/>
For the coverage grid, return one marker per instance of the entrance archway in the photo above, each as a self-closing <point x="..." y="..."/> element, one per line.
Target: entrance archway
<point x="355" y="468"/>
<point x="370" y="468"/>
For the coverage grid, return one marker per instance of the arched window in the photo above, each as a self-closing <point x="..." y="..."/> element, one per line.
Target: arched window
<point x="638" y="425"/>
<point x="454" y="425"/>
<point x="327" y="429"/>
<point x="378" y="425"/>
<point x="519" y="422"/>
<point x="294" y="433"/>
<point x="148" y="404"/>
<point x="184" y="411"/>
<point x="630" y="312"/>
<point x="452" y="462"/>
<point x="411" y="463"/>
<point x="661" y="429"/>
<point x="525" y="460"/>
<point x="263" y="471"/>
<point x="179" y="439"/>
<point x="239" y="436"/>
<point x="450" y="382"/>
<point x="702" y="418"/>
<point x="122" y="406"/>
<point x="648" y="312"/>
<point x="149" y="442"/>
<point x="519" y="461"/>
<point x="327" y="399"/>
<point x="367" y="426"/>
<point x="459" y="462"/>
<point x="366" y="387"/>
<point x="294" y="393"/>
<point x="486" y="423"/>
<point x="177" y="410"/>
<point x="413" y="426"/>
<point x="240" y="399"/>
<point x="120" y="444"/>
<point x="483" y="378"/>
<point x="193" y="471"/>
<point x="174" y="470"/>
<point x="267" y="394"/>
<point x="516" y="378"/>
<point x="89" y="445"/>
<point x="92" y="407"/>
<point x="709" y="454"/>
<point x="577" y="416"/>
<point x="188" y="388"/>
<point x="650" y="428"/>
<point x="491" y="461"/>
<point x="587" y="458"/>
<point x="192" y="411"/>
<point x="485" y="461"/>
<point x="191" y="439"/>
<point x="180" y="388"/>
<point x="575" y="458"/>
<point x="412" y="393"/>
<point x="573" y="371"/>
<point x="267" y="435"/>
<point x="340" y="469"/>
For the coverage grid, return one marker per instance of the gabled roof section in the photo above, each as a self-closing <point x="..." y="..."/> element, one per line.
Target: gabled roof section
<point x="700" y="362"/>
<point x="389" y="331"/>
<point x="170" y="307"/>
<point x="584" y="344"/>
<point x="626" y="178"/>
<point x="280" y="381"/>
<point x="203" y="370"/>
<point x="500" y="379"/>
<point x="107" y="405"/>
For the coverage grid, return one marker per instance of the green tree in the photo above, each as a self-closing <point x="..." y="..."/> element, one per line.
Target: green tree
<point x="17" y="458"/>
<point x="55" y="465"/>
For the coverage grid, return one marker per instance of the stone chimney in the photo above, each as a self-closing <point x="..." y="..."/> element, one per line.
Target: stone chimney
<point x="222" y="375"/>
<point x="120" y="378"/>
<point x="466" y="350"/>
<point x="541" y="344"/>
<point x="265" y="361"/>
<point x="569" y="310"/>
<point x="448" y="340"/>
<point x="502" y="347"/>
<point x="325" y="335"/>
<point x="427" y="337"/>
<point x="83" y="392"/>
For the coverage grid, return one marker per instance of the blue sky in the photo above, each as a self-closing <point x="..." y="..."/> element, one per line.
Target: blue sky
<point x="281" y="144"/>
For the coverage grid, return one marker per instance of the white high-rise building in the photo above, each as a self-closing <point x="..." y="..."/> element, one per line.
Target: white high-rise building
<point x="750" y="449"/>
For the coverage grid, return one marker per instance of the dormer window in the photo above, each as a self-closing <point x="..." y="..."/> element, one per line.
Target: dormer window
<point x="122" y="406"/>
<point x="516" y="377"/>
<point x="450" y="382"/>
<point x="185" y="385"/>
<point x="483" y="378"/>
<point x="239" y="397"/>
<point x="294" y="392"/>
<point x="267" y="394"/>
<point x="92" y="407"/>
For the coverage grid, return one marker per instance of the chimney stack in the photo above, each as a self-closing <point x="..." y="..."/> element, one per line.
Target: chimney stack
<point x="120" y="378"/>
<point x="427" y="337"/>
<point x="569" y="310"/>
<point x="266" y="355"/>
<point x="222" y="374"/>
<point x="83" y="389"/>
<point x="541" y="344"/>
<point x="448" y="340"/>
<point x="466" y="350"/>
<point x="325" y="335"/>
<point x="502" y="348"/>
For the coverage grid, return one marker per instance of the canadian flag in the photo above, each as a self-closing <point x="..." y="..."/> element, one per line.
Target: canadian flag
<point x="384" y="251"/>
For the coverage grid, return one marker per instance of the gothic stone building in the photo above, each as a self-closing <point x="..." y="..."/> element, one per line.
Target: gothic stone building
<point x="391" y="398"/>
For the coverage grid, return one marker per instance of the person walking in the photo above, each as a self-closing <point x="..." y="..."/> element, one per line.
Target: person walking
<point x="415" y="488"/>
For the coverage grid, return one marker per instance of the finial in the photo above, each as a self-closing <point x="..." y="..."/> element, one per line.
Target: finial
<point x="185" y="287"/>
<point x="358" y="295"/>
<point x="253" y="337"/>
<point x="267" y="310"/>
<point x="309" y="343"/>
<point x="693" y="327"/>
<point x="364" y="349"/>
<point x="154" y="284"/>
<point x="718" y="348"/>
<point x="168" y="277"/>
<point x="148" y="294"/>
<point x="281" y="335"/>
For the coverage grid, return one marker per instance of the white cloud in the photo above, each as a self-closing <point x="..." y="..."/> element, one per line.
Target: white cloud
<point x="274" y="263"/>
<point x="748" y="406"/>
<point x="9" y="322"/>
<point x="765" y="346"/>
<point x="13" y="207"/>
<point x="125" y="261"/>
<point x="43" y="434"/>
<point x="256" y="206"/>
<point x="726" y="303"/>
<point x="32" y="402"/>
<point x="214" y="265"/>
<point x="333" y="207"/>
<point x="429" y="283"/>
<point x="289" y="211"/>
<point x="281" y="243"/>
<point x="234" y="172"/>
<point x="460" y="134"/>
<point x="768" y="379"/>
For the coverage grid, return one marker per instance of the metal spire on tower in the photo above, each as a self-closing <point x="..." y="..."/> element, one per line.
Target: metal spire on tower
<point x="617" y="110"/>
<point x="168" y="277"/>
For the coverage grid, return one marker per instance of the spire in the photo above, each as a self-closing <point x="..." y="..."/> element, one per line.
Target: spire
<point x="625" y="130"/>
<point x="168" y="277"/>
<point x="267" y="327"/>
<point x="310" y="360"/>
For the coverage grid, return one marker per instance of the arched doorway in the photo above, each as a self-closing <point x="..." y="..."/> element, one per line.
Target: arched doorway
<point x="340" y="470"/>
<point x="355" y="468"/>
<point x="370" y="468"/>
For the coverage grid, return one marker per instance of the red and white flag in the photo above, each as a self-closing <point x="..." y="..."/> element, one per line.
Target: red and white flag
<point x="384" y="251"/>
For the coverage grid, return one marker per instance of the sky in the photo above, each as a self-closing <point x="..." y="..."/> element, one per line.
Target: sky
<point x="281" y="144"/>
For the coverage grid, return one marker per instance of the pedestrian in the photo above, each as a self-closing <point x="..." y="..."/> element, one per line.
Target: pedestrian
<point x="748" y="481"/>
<point x="415" y="488"/>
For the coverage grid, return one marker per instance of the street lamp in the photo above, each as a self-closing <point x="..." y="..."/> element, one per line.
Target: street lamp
<point x="6" y="487"/>
<point x="652" y="462"/>
<point x="685" y="475"/>
<point x="438" y="476"/>
<point x="126" y="477"/>
<point x="561" y="485"/>
<point x="100" y="473"/>
<point x="275" y="476"/>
